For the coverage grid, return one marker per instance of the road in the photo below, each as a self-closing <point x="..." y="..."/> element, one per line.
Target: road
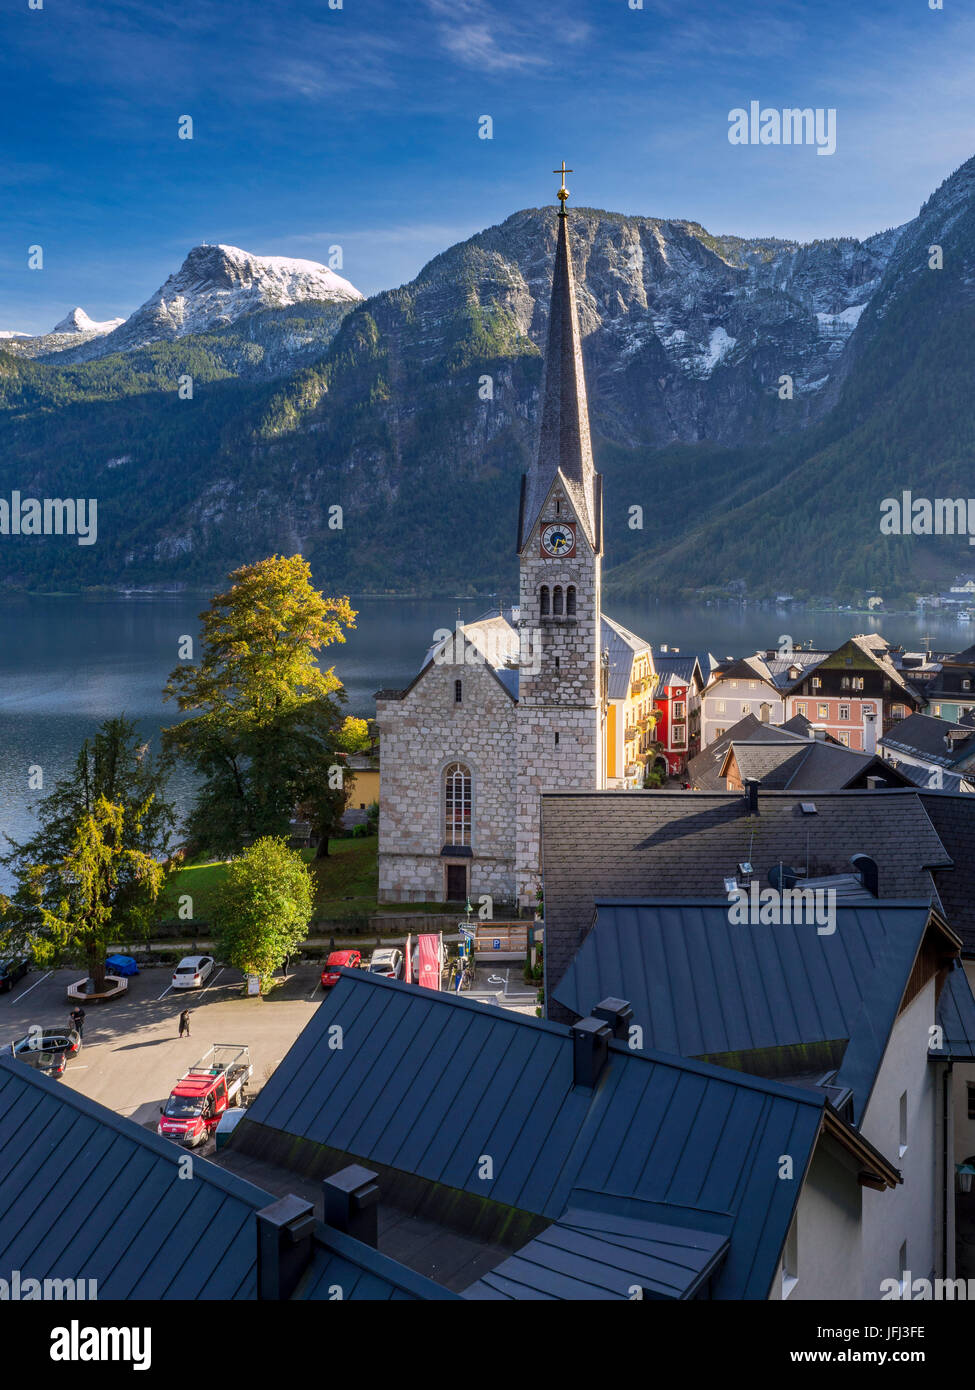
<point x="132" y="1055"/>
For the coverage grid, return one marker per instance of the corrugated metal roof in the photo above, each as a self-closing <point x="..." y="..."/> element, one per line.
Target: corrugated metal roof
<point x="702" y="986"/>
<point x="600" y="1255"/>
<point x="428" y="1084"/>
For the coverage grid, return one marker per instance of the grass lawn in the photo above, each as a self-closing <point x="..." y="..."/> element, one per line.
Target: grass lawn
<point x="346" y="883"/>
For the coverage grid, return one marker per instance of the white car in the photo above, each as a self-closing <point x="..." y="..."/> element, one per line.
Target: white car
<point x="192" y="971"/>
<point x="389" y="963"/>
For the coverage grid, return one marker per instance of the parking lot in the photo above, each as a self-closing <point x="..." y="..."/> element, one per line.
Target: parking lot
<point x="132" y="1054"/>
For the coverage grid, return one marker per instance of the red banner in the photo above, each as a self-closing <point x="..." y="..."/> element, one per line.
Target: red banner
<point x="428" y="961"/>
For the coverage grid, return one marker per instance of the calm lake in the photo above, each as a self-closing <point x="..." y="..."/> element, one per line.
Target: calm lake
<point x="68" y="663"/>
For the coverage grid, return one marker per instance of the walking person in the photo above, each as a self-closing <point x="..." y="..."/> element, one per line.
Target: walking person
<point x="78" y="1020"/>
<point x="184" y="1023"/>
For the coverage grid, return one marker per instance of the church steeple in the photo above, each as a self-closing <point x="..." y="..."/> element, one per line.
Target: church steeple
<point x="564" y="445"/>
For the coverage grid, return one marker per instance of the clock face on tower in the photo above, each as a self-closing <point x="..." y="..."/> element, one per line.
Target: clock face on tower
<point x="559" y="539"/>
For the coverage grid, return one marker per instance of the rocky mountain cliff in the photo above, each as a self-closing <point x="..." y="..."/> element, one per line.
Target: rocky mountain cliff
<point x="415" y="410"/>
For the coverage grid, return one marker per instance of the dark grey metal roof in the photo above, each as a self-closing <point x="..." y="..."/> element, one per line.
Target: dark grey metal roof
<point x="816" y="765"/>
<point x="684" y="844"/>
<point x="595" y="1255"/>
<point x="956" y="1015"/>
<point x="622" y="646"/>
<point x="701" y="985"/>
<point x="87" y="1194"/>
<point x="427" y="1084"/>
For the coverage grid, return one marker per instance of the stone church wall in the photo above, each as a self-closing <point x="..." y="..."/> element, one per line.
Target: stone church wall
<point x="420" y="736"/>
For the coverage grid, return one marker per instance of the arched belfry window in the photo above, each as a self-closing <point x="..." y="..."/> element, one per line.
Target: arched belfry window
<point x="544" y="601"/>
<point x="570" y="600"/>
<point x="457" y="804"/>
<point x="557" y="600"/>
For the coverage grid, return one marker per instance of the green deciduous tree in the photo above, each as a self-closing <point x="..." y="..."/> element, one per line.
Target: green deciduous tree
<point x="264" y="718"/>
<point x="94" y="868"/>
<point x="262" y="909"/>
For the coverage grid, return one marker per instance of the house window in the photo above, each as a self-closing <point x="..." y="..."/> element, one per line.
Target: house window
<point x="678" y="709"/>
<point x="902" y="1148"/>
<point x="816" y="683"/>
<point x="898" y="712"/>
<point x="679" y="738"/>
<point x="857" y="682"/>
<point x="844" y="739"/>
<point x="801" y="708"/>
<point x="570" y="600"/>
<point x="719" y="733"/>
<point x="937" y="710"/>
<point x="845" y="683"/>
<point x="557" y="600"/>
<point x="457" y="805"/>
<point x="458" y="692"/>
<point x="746" y="709"/>
<point x="544" y="601"/>
<point x="790" y="1260"/>
<point x="721" y="707"/>
<point x="824" y="711"/>
<point x="966" y="685"/>
<point x="844" y="711"/>
<point x="734" y="685"/>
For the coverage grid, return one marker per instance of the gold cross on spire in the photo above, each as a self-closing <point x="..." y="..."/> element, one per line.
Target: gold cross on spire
<point x="563" y="192"/>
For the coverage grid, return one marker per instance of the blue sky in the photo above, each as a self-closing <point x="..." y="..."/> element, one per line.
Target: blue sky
<point x="359" y="127"/>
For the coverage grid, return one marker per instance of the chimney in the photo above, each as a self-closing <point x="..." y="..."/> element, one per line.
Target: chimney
<point x="869" y="731"/>
<point x="751" y="795"/>
<point x="618" y="1014"/>
<point x="590" y="1050"/>
<point x="868" y="872"/>
<point x="284" y="1242"/>
<point x="352" y="1203"/>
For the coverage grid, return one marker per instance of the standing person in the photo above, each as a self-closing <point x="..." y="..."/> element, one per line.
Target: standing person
<point x="78" y="1020"/>
<point x="184" y="1023"/>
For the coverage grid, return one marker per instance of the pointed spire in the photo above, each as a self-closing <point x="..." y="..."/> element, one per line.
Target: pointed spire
<point x="564" y="444"/>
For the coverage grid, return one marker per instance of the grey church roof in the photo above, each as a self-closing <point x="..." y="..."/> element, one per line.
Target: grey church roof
<point x="564" y="445"/>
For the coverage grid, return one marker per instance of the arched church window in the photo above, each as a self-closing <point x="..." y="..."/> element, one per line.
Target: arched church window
<point x="457" y="804"/>
<point x="570" y="600"/>
<point x="544" y="598"/>
<point x="458" y="692"/>
<point x="557" y="600"/>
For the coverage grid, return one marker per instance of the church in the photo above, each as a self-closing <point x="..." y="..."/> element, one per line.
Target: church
<point x="552" y="696"/>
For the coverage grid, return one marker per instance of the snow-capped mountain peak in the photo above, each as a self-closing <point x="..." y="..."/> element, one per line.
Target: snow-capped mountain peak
<point x="217" y="285"/>
<point x="79" y="322"/>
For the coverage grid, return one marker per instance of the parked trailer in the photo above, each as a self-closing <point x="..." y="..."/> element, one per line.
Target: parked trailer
<point x="203" y="1094"/>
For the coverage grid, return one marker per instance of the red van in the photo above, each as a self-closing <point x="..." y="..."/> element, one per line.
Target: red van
<point x="339" y="960"/>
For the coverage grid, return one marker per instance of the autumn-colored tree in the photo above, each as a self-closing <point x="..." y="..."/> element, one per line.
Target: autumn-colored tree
<point x="94" y="868"/>
<point x="263" y="717"/>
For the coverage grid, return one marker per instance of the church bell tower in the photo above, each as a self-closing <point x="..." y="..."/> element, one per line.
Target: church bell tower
<point x="560" y="549"/>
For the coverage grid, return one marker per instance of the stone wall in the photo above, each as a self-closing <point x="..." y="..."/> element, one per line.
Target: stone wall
<point x="421" y="735"/>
